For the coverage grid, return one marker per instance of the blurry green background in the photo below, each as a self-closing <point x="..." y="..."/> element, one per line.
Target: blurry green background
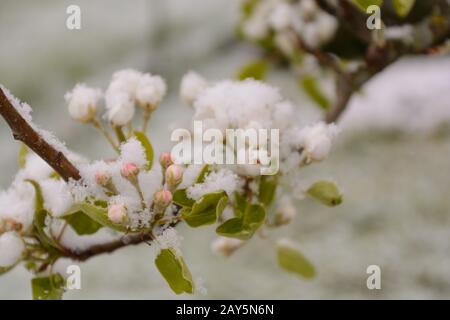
<point x="392" y="160"/>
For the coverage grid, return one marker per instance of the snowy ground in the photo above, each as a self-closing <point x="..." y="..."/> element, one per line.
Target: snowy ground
<point x="392" y="160"/>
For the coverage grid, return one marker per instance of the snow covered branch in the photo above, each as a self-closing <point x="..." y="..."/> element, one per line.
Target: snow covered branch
<point x="24" y="132"/>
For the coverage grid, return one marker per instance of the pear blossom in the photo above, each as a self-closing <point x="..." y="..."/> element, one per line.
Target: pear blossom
<point x="150" y="91"/>
<point x="174" y="175"/>
<point x="120" y="108"/>
<point x="165" y="160"/>
<point x="82" y="101"/>
<point x="129" y="170"/>
<point x="117" y="213"/>
<point x="11" y="249"/>
<point x="191" y="86"/>
<point x="162" y="198"/>
<point x="226" y="246"/>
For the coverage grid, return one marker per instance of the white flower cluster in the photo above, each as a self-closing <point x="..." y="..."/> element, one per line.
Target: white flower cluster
<point x="314" y="26"/>
<point x="127" y="88"/>
<point x="252" y="104"/>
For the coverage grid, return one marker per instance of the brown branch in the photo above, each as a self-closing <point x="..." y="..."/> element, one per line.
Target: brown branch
<point x="23" y="131"/>
<point x="109" y="247"/>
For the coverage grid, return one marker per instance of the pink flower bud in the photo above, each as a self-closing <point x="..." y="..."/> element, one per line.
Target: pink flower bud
<point x="174" y="175"/>
<point x="129" y="170"/>
<point x="102" y="178"/>
<point x="162" y="198"/>
<point x="117" y="213"/>
<point x="165" y="159"/>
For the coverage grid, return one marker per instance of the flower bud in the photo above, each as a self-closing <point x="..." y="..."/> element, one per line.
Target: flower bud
<point x="226" y="246"/>
<point x="162" y="198"/>
<point x="165" y="159"/>
<point x="174" y="175"/>
<point x="82" y="102"/>
<point x="286" y="211"/>
<point x="150" y="91"/>
<point x="192" y="85"/>
<point x="102" y="178"/>
<point x="117" y="213"/>
<point x="316" y="141"/>
<point x="129" y="170"/>
<point x="120" y="108"/>
<point x="11" y="249"/>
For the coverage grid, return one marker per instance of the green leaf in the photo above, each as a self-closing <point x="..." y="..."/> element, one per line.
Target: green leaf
<point x="240" y="204"/>
<point x="48" y="288"/>
<point x="206" y="210"/>
<point x="23" y="153"/>
<point x="403" y="7"/>
<point x="99" y="215"/>
<point x="267" y="189"/>
<point x="243" y="227"/>
<point x="292" y="260"/>
<point x="364" y="4"/>
<point x="311" y="87"/>
<point x="256" y="69"/>
<point x="234" y="228"/>
<point x="82" y="224"/>
<point x="205" y="171"/>
<point x="180" y="198"/>
<point x="325" y="192"/>
<point x="147" y="147"/>
<point x="173" y="268"/>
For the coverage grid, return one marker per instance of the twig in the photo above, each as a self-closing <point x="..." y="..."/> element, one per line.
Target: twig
<point x="23" y="131"/>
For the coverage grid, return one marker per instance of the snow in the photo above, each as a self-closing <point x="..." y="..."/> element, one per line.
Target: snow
<point x="11" y="249"/>
<point x="223" y="179"/>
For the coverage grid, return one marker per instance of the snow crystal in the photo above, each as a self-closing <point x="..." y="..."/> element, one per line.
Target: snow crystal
<point x="11" y="249"/>
<point x="57" y="196"/>
<point x="23" y="108"/>
<point x="17" y="203"/>
<point x="222" y="179"/>
<point x="132" y="151"/>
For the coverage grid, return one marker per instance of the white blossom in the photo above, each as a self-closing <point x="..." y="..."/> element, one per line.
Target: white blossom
<point x="82" y="101"/>
<point x="17" y="205"/>
<point x="280" y="18"/>
<point x="57" y="196"/>
<point x="150" y="91"/>
<point x="191" y="86"/>
<point x="11" y="249"/>
<point x="226" y="246"/>
<point x="120" y="108"/>
<point x="132" y="151"/>
<point x="316" y="140"/>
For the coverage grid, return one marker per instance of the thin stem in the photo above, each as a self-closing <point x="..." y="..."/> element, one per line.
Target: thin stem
<point x="146" y="118"/>
<point x="58" y="238"/>
<point x="97" y="124"/>
<point x="119" y="133"/>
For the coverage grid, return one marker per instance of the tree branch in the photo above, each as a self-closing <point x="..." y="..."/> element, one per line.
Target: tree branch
<point x="109" y="247"/>
<point x="23" y="131"/>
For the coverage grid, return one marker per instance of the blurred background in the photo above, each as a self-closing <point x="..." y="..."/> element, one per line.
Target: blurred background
<point x="392" y="160"/>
